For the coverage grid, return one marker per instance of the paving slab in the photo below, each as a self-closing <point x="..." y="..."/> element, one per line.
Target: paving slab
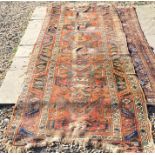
<point x="32" y="32"/>
<point x="146" y="16"/>
<point x="13" y="83"/>
<point x="24" y="51"/>
<point x="39" y="13"/>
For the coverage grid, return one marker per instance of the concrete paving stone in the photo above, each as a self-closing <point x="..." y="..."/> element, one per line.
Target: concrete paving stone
<point x="39" y="13"/>
<point x="13" y="82"/>
<point x="33" y="24"/>
<point x="19" y="63"/>
<point x="31" y="35"/>
<point x="33" y="29"/>
<point x="24" y="51"/>
<point x="151" y="41"/>
<point x="146" y="16"/>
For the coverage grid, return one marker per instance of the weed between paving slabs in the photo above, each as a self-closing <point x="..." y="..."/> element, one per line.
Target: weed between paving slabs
<point x="81" y="85"/>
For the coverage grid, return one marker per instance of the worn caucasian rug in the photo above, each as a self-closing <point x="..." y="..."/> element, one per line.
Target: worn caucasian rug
<point x="81" y="83"/>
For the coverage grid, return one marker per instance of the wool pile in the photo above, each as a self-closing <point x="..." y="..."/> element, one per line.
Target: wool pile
<point x="82" y="84"/>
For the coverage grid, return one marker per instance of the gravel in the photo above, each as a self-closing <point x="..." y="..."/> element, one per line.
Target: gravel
<point x="14" y="17"/>
<point x="5" y="114"/>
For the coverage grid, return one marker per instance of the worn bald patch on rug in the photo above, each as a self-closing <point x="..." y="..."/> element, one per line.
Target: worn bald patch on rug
<point x="81" y="84"/>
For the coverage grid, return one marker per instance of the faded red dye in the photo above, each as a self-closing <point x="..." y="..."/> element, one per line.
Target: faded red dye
<point x="82" y="84"/>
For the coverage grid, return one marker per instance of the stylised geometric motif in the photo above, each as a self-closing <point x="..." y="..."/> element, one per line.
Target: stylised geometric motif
<point x="81" y="83"/>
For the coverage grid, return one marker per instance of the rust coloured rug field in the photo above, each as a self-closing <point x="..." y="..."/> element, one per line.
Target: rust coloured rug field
<point x="81" y="82"/>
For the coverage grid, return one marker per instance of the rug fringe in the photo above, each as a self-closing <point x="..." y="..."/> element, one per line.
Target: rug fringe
<point x="83" y="143"/>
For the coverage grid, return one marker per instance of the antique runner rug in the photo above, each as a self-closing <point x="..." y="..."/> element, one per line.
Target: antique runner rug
<point x="81" y="84"/>
<point x="141" y="53"/>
